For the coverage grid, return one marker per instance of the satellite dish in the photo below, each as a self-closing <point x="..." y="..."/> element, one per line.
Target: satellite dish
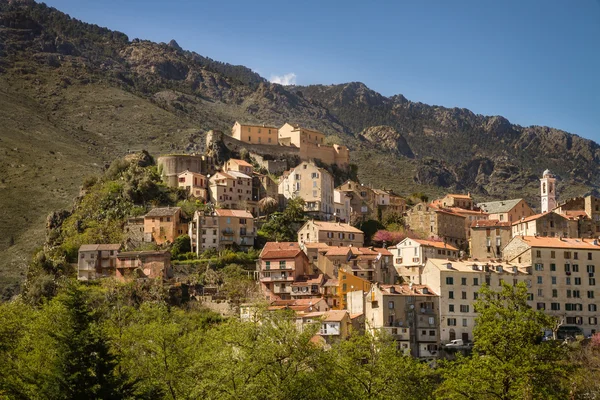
<point x="412" y="306"/>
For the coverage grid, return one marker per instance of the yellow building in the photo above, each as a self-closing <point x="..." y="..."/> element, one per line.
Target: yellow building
<point x="232" y="189"/>
<point x="295" y="135"/>
<point x="255" y="133"/>
<point x="163" y="225"/>
<point x="347" y="283"/>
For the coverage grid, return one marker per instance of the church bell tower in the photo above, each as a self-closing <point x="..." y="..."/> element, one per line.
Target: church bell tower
<point x="548" y="188"/>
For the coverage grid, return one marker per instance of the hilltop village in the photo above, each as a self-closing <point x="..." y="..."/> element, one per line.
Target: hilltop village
<point x="416" y="278"/>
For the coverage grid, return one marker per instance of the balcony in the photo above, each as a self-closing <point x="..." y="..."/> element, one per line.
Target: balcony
<point x="279" y="290"/>
<point x="226" y="239"/>
<point x="276" y="278"/>
<point x="397" y="333"/>
<point x="227" y="232"/>
<point x="304" y="291"/>
<point x="244" y="232"/>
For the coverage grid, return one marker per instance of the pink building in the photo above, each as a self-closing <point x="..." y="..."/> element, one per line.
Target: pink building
<point x="279" y="265"/>
<point x="132" y="265"/>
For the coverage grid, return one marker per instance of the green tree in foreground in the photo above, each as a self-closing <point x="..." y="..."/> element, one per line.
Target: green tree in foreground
<point x="509" y="359"/>
<point x="279" y="227"/>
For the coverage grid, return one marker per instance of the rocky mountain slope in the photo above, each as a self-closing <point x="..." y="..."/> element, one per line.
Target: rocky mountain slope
<point x="74" y="96"/>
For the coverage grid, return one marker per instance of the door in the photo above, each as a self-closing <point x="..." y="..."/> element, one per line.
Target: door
<point x="465" y="337"/>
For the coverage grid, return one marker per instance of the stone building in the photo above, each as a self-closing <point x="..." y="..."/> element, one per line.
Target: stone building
<point x="170" y="166"/>
<point x="97" y="261"/>
<point x="488" y="238"/>
<point x="410" y="256"/>
<point x="133" y="265"/>
<point x="255" y="133"/>
<point x="438" y="223"/>
<point x="549" y="224"/>
<point x="222" y="229"/>
<point x="163" y="225"/>
<point x="233" y="190"/>
<point x="363" y="201"/>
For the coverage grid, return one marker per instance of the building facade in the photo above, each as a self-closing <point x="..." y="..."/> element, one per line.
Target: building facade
<point x="550" y="224"/>
<point x="314" y="185"/>
<point x="163" y="225"/>
<point x="488" y="238"/>
<point x="279" y="265"/>
<point x="222" y="229"/>
<point x="330" y="233"/>
<point x="255" y="133"/>
<point x="132" y="265"/>
<point x="437" y="223"/>
<point x="507" y="210"/>
<point x="194" y="184"/>
<point x="410" y="256"/>
<point x="97" y="261"/>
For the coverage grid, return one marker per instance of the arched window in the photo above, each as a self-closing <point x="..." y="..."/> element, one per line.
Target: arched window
<point x="544" y="188"/>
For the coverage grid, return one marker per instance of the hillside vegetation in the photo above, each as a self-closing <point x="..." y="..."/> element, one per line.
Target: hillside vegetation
<point x="75" y="96"/>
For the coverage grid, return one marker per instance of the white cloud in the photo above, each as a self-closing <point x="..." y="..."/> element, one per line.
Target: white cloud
<point x="287" y="79"/>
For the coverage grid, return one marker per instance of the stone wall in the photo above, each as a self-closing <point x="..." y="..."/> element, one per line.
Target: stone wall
<point x="172" y="165"/>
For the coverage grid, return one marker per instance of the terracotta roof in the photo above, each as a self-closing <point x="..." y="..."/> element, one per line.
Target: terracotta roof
<point x="335" y="226"/>
<point x="406" y="289"/>
<point x="474" y="266"/>
<point x="459" y="210"/>
<point x="337" y="251"/>
<point x="99" y="247"/>
<point x="308" y="280"/>
<point x="437" y="245"/>
<point x="500" y="206"/>
<point x="459" y="196"/>
<point x="163" y="211"/>
<point x="240" y="162"/>
<point x="574" y="214"/>
<point x="564" y="243"/>
<point x="226" y="212"/>
<point x="331" y="283"/>
<point x="316" y="245"/>
<point x="536" y="216"/>
<point x="273" y="250"/>
<point x="223" y="173"/>
<point x="484" y="223"/>
<point x="357" y="252"/>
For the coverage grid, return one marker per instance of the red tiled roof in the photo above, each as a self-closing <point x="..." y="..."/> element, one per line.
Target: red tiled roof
<point x="336" y="227"/>
<point x="459" y="196"/>
<point x="405" y="289"/>
<point x="554" y="242"/>
<point x="281" y="250"/>
<point x="483" y="223"/>
<point x="536" y="216"/>
<point x="240" y="162"/>
<point x="438" y="245"/>
<point x="225" y="212"/>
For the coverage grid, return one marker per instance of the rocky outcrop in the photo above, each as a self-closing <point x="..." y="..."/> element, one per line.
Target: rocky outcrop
<point x="387" y="138"/>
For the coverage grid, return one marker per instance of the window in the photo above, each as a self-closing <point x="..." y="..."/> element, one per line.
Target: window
<point x="475" y="296"/>
<point x="575" y="256"/>
<point x="344" y="287"/>
<point x="431" y="333"/>
<point x="569" y="293"/>
<point x="267" y="264"/>
<point x="593" y="320"/>
<point x="575" y="268"/>
<point x="540" y="293"/>
<point x="568" y="281"/>
<point x="554" y="292"/>
<point x="539" y="280"/>
<point x="541" y="306"/>
<point x="281" y="264"/>
<point x="592" y="281"/>
<point x="463" y="281"/>
<point x="552" y="254"/>
<point x="464" y="295"/>
<point x="451" y="294"/>
<point x="391" y="305"/>
<point x="450" y="307"/>
<point x="591" y="307"/>
<point x="539" y="267"/>
<point x="555" y="306"/>
<point x="449" y="280"/>
<point x="590" y="294"/>
<point x="576" y="294"/>
<point x="552" y="267"/>
<point x="529" y="296"/>
<point x="464" y="322"/>
<point x="567" y="268"/>
<point x="578" y="281"/>
<point x="591" y="269"/>
<point x="451" y="321"/>
<point x="567" y="255"/>
<point x="475" y="281"/>
<point x="589" y="256"/>
<point x="553" y="280"/>
<point x="464" y="308"/>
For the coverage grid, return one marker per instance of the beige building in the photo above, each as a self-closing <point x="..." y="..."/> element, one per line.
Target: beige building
<point x="563" y="280"/>
<point x="410" y="256"/>
<point x="470" y="217"/>
<point x="507" y="210"/>
<point x="334" y="325"/>
<point x="280" y="264"/>
<point x="255" y="133"/>
<point x="132" y="265"/>
<point x="314" y="185"/>
<point x="242" y="166"/>
<point x="363" y="201"/>
<point x="194" y="183"/>
<point x="437" y="223"/>
<point x="464" y="201"/>
<point x="549" y="224"/>
<point x="97" y="261"/>
<point x="457" y="283"/>
<point x="488" y="238"/>
<point x="232" y="189"/>
<point x="311" y="144"/>
<point x="223" y="229"/>
<point x="408" y="313"/>
<point x="163" y="225"/>
<point x="341" y="205"/>
<point x="296" y="135"/>
<point x="331" y="233"/>
<point x="369" y="263"/>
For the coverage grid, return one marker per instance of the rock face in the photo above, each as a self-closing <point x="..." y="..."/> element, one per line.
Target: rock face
<point x="387" y="138"/>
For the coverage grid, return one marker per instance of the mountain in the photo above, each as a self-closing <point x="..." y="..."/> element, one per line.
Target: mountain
<point x="74" y="96"/>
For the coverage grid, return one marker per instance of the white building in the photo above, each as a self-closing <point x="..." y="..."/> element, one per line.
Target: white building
<point x="410" y="256"/>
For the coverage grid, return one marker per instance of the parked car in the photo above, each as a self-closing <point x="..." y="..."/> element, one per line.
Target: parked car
<point x="458" y="343"/>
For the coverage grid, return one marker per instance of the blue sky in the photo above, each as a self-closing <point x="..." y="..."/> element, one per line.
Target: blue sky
<point x="534" y="62"/>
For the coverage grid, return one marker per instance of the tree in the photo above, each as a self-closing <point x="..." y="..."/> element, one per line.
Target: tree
<point x="181" y="245"/>
<point x="279" y="227"/>
<point x="509" y="359"/>
<point x="268" y="205"/>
